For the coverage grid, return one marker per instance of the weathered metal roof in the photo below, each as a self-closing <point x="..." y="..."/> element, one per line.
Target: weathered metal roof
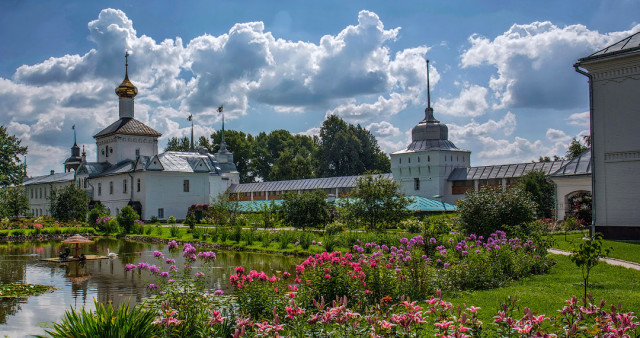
<point x="425" y="145"/>
<point x="420" y="204"/>
<point x="504" y="170"/>
<point x="128" y="126"/>
<point x="305" y="184"/>
<point x="187" y="161"/>
<point x="579" y="166"/>
<point x="55" y="178"/>
<point x="626" y="45"/>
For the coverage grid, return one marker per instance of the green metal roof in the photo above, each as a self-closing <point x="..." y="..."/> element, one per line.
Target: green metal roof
<point x="421" y="204"/>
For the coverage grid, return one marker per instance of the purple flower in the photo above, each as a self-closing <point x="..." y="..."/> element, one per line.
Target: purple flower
<point x="164" y="274"/>
<point x="152" y="286"/>
<point x="173" y="245"/>
<point x="446" y="265"/>
<point x="129" y="267"/>
<point x="218" y="292"/>
<point x="170" y="261"/>
<point x="157" y="254"/>
<point x="199" y="274"/>
<point x="432" y="240"/>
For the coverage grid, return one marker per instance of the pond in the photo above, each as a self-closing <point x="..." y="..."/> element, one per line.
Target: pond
<point x="77" y="284"/>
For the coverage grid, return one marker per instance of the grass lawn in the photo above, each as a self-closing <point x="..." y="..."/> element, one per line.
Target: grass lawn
<point x="546" y="293"/>
<point x="625" y="250"/>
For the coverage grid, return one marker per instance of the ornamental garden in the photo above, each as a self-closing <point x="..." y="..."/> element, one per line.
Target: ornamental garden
<point x="361" y="267"/>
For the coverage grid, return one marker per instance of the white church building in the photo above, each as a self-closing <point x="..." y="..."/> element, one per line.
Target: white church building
<point x="129" y="170"/>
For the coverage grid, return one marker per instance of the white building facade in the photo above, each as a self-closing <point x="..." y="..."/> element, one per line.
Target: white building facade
<point x="130" y="171"/>
<point x="614" y="84"/>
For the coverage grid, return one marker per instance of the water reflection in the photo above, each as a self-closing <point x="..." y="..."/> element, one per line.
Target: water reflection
<point x="78" y="283"/>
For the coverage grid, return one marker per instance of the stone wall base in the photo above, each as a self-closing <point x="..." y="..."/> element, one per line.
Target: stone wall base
<point x="631" y="233"/>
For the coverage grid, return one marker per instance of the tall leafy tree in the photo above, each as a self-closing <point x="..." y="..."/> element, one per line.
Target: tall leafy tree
<point x="576" y="147"/>
<point x="377" y="202"/>
<point x="11" y="169"/>
<point x="13" y="201"/>
<point x="541" y="190"/>
<point x="178" y="144"/>
<point x="309" y="209"/>
<point x="346" y="150"/>
<point x="69" y="203"/>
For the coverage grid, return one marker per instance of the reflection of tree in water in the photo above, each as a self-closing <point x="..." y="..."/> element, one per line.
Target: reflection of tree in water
<point x="9" y="307"/>
<point x="13" y="262"/>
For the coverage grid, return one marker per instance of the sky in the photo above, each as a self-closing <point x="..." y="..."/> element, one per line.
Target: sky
<point x="501" y="72"/>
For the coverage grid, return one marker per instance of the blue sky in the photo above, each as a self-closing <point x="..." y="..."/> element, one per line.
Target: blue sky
<point x="501" y="72"/>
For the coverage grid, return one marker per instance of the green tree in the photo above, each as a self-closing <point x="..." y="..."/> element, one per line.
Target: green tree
<point x="309" y="209"/>
<point x="69" y="203"/>
<point x="576" y="147"/>
<point x="587" y="256"/>
<point x="490" y="209"/>
<point x="346" y="150"/>
<point x="98" y="210"/>
<point x="377" y="202"/>
<point x="542" y="191"/>
<point x="13" y="201"/>
<point x="126" y="218"/>
<point x="11" y="169"/>
<point x="178" y="144"/>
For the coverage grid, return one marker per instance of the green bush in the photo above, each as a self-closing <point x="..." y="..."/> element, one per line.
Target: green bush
<point x="96" y="214"/>
<point x="305" y="240"/>
<point x="236" y="234"/>
<point x="190" y="221"/>
<point x="489" y="210"/>
<point x="285" y="237"/>
<point x="174" y="231"/>
<point x="158" y="230"/>
<point x="198" y="232"/>
<point x="214" y="235"/>
<point x="171" y="220"/>
<point x="330" y="243"/>
<point x="224" y="234"/>
<point x="17" y="232"/>
<point x="412" y="225"/>
<point x="148" y="230"/>
<point x="154" y="219"/>
<point x="266" y="239"/>
<point x="126" y="218"/>
<point x="334" y="228"/>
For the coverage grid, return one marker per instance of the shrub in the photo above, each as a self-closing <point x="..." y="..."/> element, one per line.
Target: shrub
<point x="285" y="237"/>
<point x="490" y="209"/>
<point x="309" y="209"/>
<point x="305" y="240"/>
<point x="334" y="228"/>
<point x="126" y="218"/>
<point x="18" y="232"/>
<point x="148" y="230"/>
<point x="154" y="219"/>
<point x="236" y="234"/>
<point x="330" y="243"/>
<point x="158" y="230"/>
<point x="99" y="211"/>
<point x="171" y="220"/>
<point x="198" y="232"/>
<point x="214" y="234"/>
<point x="412" y="225"/>
<point x="174" y="231"/>
<point x="190" y="221"/>
<point x="266" y="239"/>
<point x="224" y="234"/>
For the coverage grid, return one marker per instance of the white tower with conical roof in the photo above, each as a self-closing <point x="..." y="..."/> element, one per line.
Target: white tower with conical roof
<point x="423" y="167"/>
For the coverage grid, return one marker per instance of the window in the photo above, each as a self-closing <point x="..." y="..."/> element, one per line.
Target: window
<point x="138" y="185"/>
<point x="84" y="180"/>
<point x="31" y="192"/>
<point x="117" y="211"/>
<point x="418" y="159"/>
<point x="99" y="189"/>
<point x="40" y="192"/>
<point x="428" y="158"/>
<point x="137" y="152"/>
<point x="400" y="160"/>
<point x="106" y="150"/>
<point x="111" y="188"/>
<point x="124" y="186"/>
<point x="409" y="160"/>
<point x="185" y="185"/>
<point x="161" y="213"/>
<point x="416" y="183"/>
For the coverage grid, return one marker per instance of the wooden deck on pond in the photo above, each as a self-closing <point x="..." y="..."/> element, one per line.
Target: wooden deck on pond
<point x="73" y="259"/>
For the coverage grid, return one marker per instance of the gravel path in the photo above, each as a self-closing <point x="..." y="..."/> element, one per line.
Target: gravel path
<point x="612" y="261"/>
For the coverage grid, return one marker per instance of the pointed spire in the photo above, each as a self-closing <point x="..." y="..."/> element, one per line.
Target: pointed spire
<point x="126" y="88"/>
<point x="74" y="135"/>
<point x="428" y="112"/>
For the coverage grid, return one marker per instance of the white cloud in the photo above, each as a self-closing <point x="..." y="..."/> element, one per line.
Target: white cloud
<point x="467" y="133"/>
<point x="471" y="102"/>
<point x="579" y="119"/>
<point x="533" y="62"/>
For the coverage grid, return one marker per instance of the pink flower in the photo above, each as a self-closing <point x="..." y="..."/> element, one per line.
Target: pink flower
<point x="218" y="292"/>
<point x="153" y="286"/>
<point x="327" y="276"/>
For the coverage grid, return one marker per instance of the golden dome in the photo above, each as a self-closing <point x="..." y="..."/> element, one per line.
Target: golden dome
<point x="126" y="88"/>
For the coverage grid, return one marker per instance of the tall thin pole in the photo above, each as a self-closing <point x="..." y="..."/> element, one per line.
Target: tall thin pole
<point x="223" y="145"/>
<point x="428" y="87"/>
